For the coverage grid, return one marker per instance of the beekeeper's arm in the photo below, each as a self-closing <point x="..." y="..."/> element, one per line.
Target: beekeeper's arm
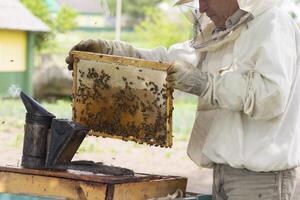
<point x="261" y="86"/>
<point x="117" y="48"/>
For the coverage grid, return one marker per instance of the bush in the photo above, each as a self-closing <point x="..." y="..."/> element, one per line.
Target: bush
<point x="158" y="29"/>
<point x="133" y="8"/>
<point x="64" y="21"/>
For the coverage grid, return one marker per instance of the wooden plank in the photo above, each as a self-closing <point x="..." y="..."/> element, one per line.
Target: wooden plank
<point x="121" y="60"/>
<point x="169" y="121"/>
<point x="98" y="113"/>
<point x="83" y="186"/>
<point x="86" y="176"/>
<point x="110" y="192"/>
<point x="16" y="183"/>
<point x="146" y="190"/>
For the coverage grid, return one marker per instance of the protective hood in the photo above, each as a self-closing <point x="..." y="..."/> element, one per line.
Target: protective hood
<point x="208" y="42"/>
<point x="257" y="7"/>
<point x="180" y="2"/>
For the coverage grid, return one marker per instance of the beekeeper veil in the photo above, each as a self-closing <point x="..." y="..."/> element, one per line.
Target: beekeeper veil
<point x="204" y="42"/>
<point x="255" y="7"/>
<point x="191" y="10"/>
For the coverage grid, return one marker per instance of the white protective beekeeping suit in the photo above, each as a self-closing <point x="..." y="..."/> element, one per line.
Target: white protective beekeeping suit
<point x="249" y="116"/>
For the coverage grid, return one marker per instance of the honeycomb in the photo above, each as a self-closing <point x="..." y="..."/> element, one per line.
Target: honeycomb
<point x="123" y="98"/>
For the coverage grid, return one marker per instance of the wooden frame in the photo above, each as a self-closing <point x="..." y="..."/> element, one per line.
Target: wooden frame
<point x="82" y="185"/>
<point x="122" y="61"/>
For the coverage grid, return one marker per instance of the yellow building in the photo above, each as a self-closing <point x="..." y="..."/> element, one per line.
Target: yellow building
<point x="17" y="29"/>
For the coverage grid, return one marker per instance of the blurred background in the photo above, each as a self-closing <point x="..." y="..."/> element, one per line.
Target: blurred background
<point x="35" y="38"/>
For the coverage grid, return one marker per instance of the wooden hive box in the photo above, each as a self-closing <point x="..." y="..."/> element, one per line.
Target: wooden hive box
<point x="124" y="98"/>
<point x="84" y="185"/>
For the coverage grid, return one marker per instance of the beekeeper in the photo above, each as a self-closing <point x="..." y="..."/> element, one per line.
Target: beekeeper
<point x="244" y="66"/>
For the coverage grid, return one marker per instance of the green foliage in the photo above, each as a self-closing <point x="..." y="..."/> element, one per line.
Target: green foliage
<point x="64" y="21"/>
<point x="17" y="141"/>
<point x="158" y="29"/>
<point x="39" y="8"/>
<point x="89" y="147"/>
<point x="134" y="8"/>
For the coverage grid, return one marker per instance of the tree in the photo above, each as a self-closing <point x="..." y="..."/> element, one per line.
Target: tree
<point x="134" y="8"/>
<point x="158" y="29"/>
<point x="39" y="8"/>
<point x="64" y="21"/>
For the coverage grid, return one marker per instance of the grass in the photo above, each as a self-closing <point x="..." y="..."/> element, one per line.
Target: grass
<point x="14" y="109"/>
<point x="89" y="146"/>
<point x="183" y="117"/>
<point x="17" y="140"/>
<point x="12" y="115"/>
<point x="168" y="155"/>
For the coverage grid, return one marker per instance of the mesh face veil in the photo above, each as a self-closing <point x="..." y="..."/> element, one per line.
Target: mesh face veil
<point x="191" y="10"/>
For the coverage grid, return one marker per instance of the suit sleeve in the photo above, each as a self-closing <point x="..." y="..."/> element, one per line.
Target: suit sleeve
<point x="179" y="51"/>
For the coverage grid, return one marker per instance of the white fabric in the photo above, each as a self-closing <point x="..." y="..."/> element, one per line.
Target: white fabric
<point x="256" y="7"/>
<point x="125" y="49"/>
<point x="257" y="97"/>
<point x="181" y="51"/>
<point x="249" y="117"/>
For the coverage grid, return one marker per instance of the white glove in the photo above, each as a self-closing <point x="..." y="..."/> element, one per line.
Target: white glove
<point x="104" y="47"/>
<point x="187" y="78"/>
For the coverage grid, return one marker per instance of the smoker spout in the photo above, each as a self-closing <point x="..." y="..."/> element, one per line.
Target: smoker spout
<point x="33" y="107"/>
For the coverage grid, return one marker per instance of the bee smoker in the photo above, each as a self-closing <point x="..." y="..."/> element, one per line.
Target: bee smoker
<point x="37" y="127"/>
<point x="63" y="141"/>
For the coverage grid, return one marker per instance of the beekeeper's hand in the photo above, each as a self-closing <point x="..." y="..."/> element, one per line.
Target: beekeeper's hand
<point x="187" y="78"/>
<point x="95" y="46"/>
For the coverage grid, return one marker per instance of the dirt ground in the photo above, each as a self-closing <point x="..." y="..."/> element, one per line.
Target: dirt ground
<point x="140" y="158"/>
